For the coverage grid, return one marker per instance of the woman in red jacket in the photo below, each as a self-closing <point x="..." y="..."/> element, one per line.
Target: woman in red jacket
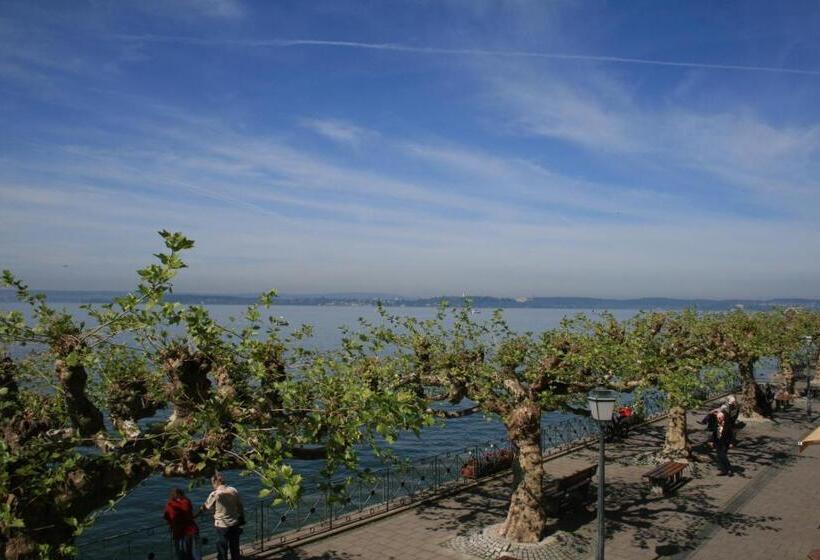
<point x="179" y="513"/>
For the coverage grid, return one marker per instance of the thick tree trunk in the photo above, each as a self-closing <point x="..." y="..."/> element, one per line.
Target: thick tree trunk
<point x="85" y="489"/>
<point x="85" y="416"/>
<point x="816" y="361"/>
<point x="676" y="445"/>
<point x="754" y="403"/>
<point x="19" y="547"/>
<point x="788" y="376"/>
<point x="187" y="374"/>
<point x="526" y="518"/>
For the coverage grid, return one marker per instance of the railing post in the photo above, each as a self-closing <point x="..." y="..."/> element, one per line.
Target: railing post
<point x="329" y="503"/>
<point x="387" y="489"/>
<point x="262" y="526"/>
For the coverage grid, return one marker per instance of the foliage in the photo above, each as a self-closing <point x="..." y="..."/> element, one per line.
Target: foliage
<point x="90" y="407"/>
<point x="740" y="337"/>
<point x="144" y="386"/>
<point x="509" y="375"/>
<point x="788" y="327"/>
<point x="672" y="352"/>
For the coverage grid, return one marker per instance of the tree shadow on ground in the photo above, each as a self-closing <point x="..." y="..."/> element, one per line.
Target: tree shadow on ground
<point x="668" y="525"/>
<point x="645" y="516"/>
<point x="677" y="521"/>
<point x="473" y="508"/>
<point x="298" y="554"/>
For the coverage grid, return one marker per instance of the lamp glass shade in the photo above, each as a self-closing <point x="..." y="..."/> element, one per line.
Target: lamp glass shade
<point x="602" y="403"/>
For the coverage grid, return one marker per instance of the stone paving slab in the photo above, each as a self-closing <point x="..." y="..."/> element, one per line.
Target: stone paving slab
<point x="788" y="505"/>
<point x="770" y="510"/>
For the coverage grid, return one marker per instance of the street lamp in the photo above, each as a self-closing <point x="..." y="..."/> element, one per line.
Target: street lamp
<point x="808" y="340"/>
<point x="601" y="405"/>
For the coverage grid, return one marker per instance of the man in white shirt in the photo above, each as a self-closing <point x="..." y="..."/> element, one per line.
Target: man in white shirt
<point x="229" y="516"/>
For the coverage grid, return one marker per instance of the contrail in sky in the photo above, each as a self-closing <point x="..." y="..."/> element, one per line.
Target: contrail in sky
<point x="398" y="47"/>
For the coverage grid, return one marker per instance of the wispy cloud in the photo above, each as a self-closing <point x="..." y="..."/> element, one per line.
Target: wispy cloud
<point x="218" y="9"/>
<point x="242" y="251"/>
<point x="428" y="50"/>
<point x="556" y="109"/>
<point x="735" y="147"/>
<point x="307" y="165"/>
<point x="339" y="131"/>
<point x="282" y="205"/>
<point x="533" y="183"/>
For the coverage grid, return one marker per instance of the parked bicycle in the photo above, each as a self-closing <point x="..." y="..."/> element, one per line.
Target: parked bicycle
<point x="623" y="419"/>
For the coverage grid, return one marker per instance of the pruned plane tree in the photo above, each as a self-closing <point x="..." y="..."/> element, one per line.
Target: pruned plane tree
<point x="486" y="367"/>
<point x="141" y="387"/>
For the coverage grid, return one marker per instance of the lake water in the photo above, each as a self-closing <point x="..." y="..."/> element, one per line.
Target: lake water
<point x="143" y="507"/>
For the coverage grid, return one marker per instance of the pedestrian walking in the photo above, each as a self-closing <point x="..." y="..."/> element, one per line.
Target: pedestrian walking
<point x="180" y="517"/>
<point x="731" y="411"/>
<point x="710" y="421"/>
<point x="229" y="517"/>
<point x="723" y="437"/>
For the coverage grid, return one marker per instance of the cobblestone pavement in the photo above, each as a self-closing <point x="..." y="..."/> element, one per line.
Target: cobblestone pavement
<point x="770" y="510"/>
<point x="485" y="545"/>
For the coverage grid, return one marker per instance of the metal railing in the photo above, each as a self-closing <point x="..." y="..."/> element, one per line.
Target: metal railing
<point x="374" y="493"/>
<point x="145" y="542"/>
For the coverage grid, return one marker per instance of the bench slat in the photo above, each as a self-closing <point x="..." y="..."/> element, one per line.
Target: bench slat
<point x="565" y="487"/>
<point x="665" y="476"/>
<point x="667" y="470"/>
<point x="579" y="476"/>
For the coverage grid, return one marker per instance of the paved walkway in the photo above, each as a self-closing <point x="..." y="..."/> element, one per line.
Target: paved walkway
<point x="770" y="510"/>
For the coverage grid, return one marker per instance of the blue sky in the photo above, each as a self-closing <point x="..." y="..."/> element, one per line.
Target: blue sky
<point x="424" y="147"/>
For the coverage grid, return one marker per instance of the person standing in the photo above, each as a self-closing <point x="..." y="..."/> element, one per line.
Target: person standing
<point x="730" y="404"/>
<point x="722" y="440"/>
<point x="180" y="517"/>
<point x="229" y="516"/>
<point x="731" y="411"/>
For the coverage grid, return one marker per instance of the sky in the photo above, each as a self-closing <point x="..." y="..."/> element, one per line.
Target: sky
<point x="418" y="148"/>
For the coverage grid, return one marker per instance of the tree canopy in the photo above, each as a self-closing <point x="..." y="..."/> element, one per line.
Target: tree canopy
<point x="92" y="404"/>
<point x="143" y="387"/>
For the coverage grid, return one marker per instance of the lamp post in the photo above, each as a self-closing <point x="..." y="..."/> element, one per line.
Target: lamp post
<point x="601" y="405"/>
<point x="808" y="340"/>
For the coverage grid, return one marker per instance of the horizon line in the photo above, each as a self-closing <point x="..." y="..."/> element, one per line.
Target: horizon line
<point x="377" y="296"/>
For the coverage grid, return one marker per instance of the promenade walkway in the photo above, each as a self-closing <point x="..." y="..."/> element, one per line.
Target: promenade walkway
<point x="770" y="510"/>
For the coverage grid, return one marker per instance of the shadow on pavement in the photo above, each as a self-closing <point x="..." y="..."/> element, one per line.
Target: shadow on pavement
<point x="292" y="554"/>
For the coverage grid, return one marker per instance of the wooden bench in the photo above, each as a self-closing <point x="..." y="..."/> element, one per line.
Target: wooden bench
<point x="568" y="491"/>
<point x="665" y="477"/>
<point x="782" y="400"/>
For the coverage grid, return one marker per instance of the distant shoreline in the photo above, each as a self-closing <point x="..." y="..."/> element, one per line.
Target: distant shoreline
<point x="482" y="302"/>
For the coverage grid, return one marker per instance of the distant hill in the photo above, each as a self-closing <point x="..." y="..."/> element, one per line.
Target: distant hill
<point x="350" y="299"/>
<point x="608" y="303"/>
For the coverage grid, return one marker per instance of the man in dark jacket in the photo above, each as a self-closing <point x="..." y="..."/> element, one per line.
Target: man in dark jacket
<point x="731" y="411"/>
<point x="723" y="437"/>
<point x="710" y="421"/>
